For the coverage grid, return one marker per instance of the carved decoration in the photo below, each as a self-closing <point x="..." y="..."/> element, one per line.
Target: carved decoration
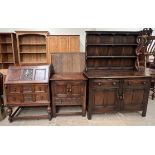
<point x="27" y="74"/>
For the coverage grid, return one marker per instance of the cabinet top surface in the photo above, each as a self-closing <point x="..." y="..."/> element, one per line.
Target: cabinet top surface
<point x="68" y="76"/>
<point x="92" y="74"/>
<point x="62" y="35"/>
<point x="113" y="32"/>
<point x="28" y="74"/>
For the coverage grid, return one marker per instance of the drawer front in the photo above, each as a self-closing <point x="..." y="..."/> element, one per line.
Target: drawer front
<point x="42" y="97"/>
<point x="67" y="101"/>
<point x="68" y="89"/>
<point x="28" y="98"/>
<point x="40" y="88"/>
<point x="105" y="83"/>
<point x="27" y="88"/>
<point x="136" y="83"/>
<point x="13" y="88"/>
<point x="14" y="99"/>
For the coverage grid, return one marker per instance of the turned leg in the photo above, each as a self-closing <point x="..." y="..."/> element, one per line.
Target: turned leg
<point x="49" y="110"/>
<point x="9" y="113"/>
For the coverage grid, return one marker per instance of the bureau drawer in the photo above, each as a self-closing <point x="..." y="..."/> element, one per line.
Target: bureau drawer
<point x="40" y="88"/>
<point x="14" y="99"/>
<point x="136" y="82"/>
<point x="42" y="97"/>
<point x="27" y="88"/>
<point x="67" y="101"/>
<point x="105" y="83"/>
<point x="13" y="88"/>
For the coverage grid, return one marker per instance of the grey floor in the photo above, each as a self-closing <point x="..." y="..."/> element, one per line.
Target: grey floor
<point x="109" y="119"/>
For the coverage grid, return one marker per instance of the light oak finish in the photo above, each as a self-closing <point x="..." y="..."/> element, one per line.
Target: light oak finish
<point x="62" y="43"/>
<point x="32" y="47"/>
<point x="7" y="50"/>
<point x="68" y="62"/>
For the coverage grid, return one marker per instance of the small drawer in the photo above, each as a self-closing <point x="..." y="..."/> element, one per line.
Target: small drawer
<point x="13" y="88"/>
<point x="106" y="83"/>
<point x="28" y="98"/>
<point x="14" y="99"/>
<point x="136" y="82"/>
<point x="41" y="88"/>
<point x="27" y="88"/>
<point x="42" y="97"/>
<point x="67" y="101"/>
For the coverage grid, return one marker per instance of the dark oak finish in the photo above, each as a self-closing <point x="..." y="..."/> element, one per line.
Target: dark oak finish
<point x="116" y="82"/>
<point x="68" y="84"/>
<point x="27" y="86"/>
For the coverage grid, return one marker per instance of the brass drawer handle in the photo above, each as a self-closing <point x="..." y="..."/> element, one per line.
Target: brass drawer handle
<point x="144" y="83"/>
<point x="99" y="83"/>
<point x="114" y="83"/>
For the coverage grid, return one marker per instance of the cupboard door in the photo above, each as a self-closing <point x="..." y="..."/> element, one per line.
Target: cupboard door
<point x="74" y="44"/>
<point x="105" y="99"/>
<point x="134" y="98"/>
<point x="52" y="45"/>
<point x="135" y="94"/>
<point x="77" y="89"/>
<point x="60" y="89"/>
<point x="63" y="44"/>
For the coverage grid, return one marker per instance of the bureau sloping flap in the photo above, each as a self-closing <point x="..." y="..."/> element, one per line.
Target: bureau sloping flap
<point x="68" y="62"/>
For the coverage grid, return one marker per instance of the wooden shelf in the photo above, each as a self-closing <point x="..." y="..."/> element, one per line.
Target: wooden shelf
<point x="5" y="62"/>
<point x="32" y="44"/>
<point x="32" y="52"/>
<point x="6" y="52"/>
<point x="32" y="47"/>
<point x="7" y="49"/>
<point x="6" y="43"/>
<point x="111" y="57"/>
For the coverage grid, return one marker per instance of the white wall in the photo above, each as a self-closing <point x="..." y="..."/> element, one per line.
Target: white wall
<point x="72" y="31"/>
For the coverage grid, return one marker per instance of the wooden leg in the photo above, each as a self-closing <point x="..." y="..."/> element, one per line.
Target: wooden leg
<point x="83" y="106"/>
<point x="9" y="112"/>
<point x="53" y="109"/>
<point x="89" y="114"/>
<point x="49" y="110"/>
<point x="144" y="110"/>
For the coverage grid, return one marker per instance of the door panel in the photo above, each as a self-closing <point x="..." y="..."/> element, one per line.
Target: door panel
<point x="63" y="44"/>
<point x="74" y="43"/>
<point x="106" y="98"/>
<point x="133" y="99"/>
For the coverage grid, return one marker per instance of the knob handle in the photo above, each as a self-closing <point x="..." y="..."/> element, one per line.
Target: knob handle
<point x="144" y="82"/>
<point x="99" y="83"/>
<point x="114" y="83"/>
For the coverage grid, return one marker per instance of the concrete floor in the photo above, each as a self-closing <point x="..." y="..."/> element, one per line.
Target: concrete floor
<point x="109" y="119"/>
